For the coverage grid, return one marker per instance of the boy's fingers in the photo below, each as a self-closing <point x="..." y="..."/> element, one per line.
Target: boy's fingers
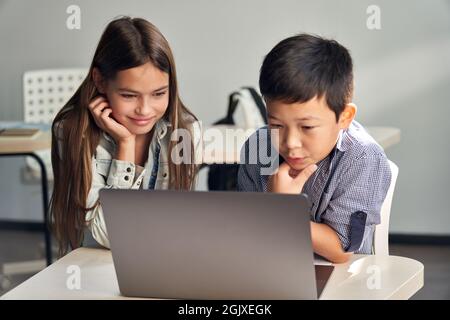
<point x="284" y="168"/>
<point x="304" y="175"/>
<point x="293" y="173"/>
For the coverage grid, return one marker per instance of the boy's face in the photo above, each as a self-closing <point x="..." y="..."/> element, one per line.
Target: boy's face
<point x="305" y="133"/>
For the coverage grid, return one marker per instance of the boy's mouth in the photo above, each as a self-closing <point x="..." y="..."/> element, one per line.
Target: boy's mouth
<point x="295" y="160"/>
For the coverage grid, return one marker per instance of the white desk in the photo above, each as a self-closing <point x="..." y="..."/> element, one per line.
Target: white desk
<point x="385" y="136"/>
<point x="400" y="278"/>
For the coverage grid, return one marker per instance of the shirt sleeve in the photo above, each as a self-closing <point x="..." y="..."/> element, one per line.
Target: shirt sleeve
<point x="246" y="176"/>
<point x="197" y="141"/>
<point x="245" y="181"/>
<point x="356" y="202"/>
<point x="112" y="174"/>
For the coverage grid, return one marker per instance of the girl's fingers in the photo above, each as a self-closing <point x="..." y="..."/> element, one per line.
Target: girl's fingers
<point x="100" y="105"/>
<point x="105" y="115"/>
<point x="98" y="109"/>
<point x="101" y="111"/>
<point x="96" y="101"/>
<point x="109" y="123"/>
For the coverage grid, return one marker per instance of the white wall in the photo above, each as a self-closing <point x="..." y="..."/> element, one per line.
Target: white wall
<point x="402" y="73"/>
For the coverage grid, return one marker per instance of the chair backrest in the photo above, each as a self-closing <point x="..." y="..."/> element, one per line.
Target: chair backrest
<point x="381" y="235"/>
<point x="46" y="91"/>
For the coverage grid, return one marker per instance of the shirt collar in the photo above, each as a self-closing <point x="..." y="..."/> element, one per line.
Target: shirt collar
<point x="341" y="146"/>
<point x="342" y="141"/>
<point x="161" y="128"/>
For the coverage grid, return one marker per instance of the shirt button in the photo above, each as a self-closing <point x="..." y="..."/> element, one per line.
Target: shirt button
<point x="128" y="169"/>
<point x="127" y="178"/>
<point x="165" y="175"/>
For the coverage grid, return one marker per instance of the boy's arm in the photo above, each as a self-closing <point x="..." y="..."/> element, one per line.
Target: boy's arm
<point x="354" y="208"/>
<point x="324" y="239"/>
<point x="326" y="243"/>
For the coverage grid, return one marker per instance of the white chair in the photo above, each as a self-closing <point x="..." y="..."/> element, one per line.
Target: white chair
<point x="381" y="234"/>
<point x="44" y="94"/>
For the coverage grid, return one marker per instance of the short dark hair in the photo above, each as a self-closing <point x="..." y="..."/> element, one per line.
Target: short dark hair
<point x="304" y="66"/>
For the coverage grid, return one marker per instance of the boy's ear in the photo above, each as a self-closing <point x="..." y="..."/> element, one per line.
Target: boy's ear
<point x="347" y="115"/>
<point x="98" y="81"/>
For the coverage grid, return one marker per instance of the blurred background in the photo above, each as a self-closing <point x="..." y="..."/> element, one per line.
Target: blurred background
<point x="402" y="80"/>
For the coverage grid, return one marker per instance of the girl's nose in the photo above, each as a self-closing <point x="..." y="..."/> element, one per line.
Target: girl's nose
<point x="144" y="107"/>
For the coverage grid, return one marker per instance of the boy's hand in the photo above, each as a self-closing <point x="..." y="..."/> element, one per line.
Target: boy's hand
<point x="288" y="180"/>
<point x="101" y="112"/>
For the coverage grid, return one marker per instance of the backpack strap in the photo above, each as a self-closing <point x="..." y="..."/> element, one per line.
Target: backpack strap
<point x="232" y="104"/>
<point x="259" y="102"/>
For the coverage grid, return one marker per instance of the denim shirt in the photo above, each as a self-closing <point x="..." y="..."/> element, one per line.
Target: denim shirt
<point x="108" y="172"/>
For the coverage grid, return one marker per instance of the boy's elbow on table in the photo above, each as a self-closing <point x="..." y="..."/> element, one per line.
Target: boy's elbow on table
<point x="327" y="243"/>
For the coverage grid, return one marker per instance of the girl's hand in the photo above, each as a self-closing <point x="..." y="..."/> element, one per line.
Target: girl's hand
<point x="288" y="180"/>
<point x="101" y="112"/>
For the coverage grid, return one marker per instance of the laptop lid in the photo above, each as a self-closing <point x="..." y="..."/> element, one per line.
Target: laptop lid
<point x="210" y="245"/>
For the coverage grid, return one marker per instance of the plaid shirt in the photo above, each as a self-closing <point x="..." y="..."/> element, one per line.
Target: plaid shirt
<point x="346" y="191"/>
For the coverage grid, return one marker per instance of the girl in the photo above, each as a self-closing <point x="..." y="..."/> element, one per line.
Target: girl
<point x="115" y="132"/>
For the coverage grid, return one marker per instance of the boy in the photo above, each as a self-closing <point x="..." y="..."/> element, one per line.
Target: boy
<point x="307" y="84"/>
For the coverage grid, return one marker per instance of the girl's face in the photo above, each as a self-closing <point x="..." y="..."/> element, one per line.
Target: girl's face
<point x="138" y="97"/>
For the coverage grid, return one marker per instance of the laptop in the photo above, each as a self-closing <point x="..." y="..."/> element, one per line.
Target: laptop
<point x="212" y="245"/>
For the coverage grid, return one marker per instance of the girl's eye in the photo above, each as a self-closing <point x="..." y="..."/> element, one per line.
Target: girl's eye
<point x="159" y="94"/>
<point x="308" y="127"/>
<point x="127" y="96"/>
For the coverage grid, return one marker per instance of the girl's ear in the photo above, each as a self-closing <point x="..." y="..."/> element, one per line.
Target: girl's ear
<point x="347" y="115"/>
<point x="98" y="81"/>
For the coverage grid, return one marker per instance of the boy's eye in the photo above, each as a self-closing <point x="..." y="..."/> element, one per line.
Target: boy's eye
<point x="275" y="125"/>
<point x="308" y="127"/>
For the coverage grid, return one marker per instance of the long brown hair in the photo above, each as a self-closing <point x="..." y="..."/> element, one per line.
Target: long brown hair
<point x="125" y="43"/>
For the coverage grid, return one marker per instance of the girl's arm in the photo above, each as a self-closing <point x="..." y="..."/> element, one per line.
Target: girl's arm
<point x="119" y="175"/>
<point x="125" y="150"/>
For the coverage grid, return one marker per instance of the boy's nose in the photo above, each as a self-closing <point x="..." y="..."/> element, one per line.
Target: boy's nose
<point x="293" y="141"/>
